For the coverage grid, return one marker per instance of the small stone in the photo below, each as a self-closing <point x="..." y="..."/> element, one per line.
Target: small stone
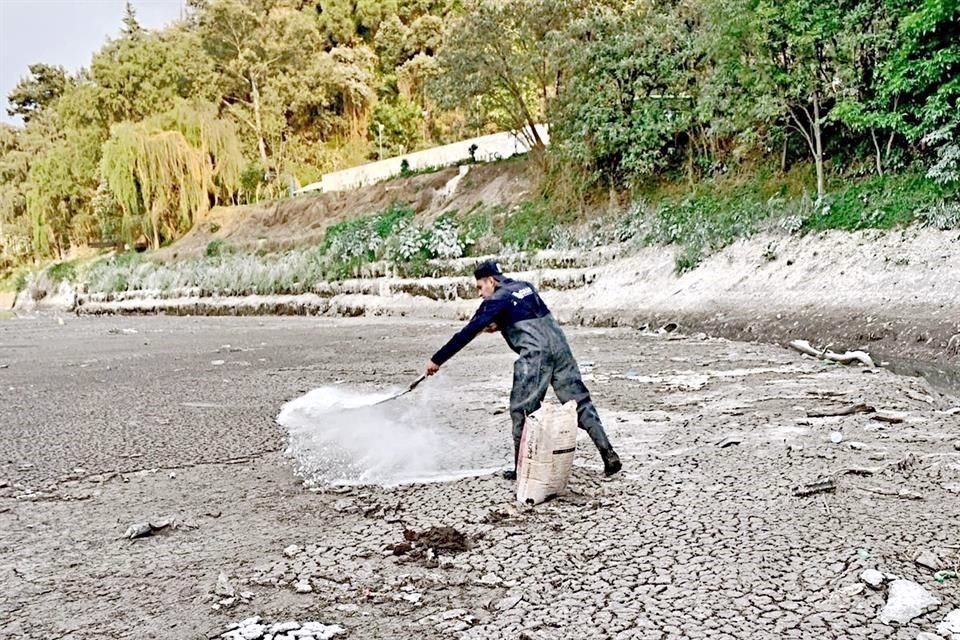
<point x="950" y="627"/>
<point x="323" y="631"/>
<point x="246" y="595"/>
<point x="292" y="550"/>
<point x="956" y="445"/>
<point x="923" y="635"/>
<point x="852" y="589"/>
<point x="928" y="560"/>
<point x="412" y="597"/>
<point x="252" y="632"/>
<point x="873" y="578"/>
<point x="225" y="589"/>
<point x="491" y="579"/>
<point x="836" y="437"/>
<point x="217" y="363"/>
<point x="905" y="601"/>
<point x="303" y="587"/>
<point x="283" y="627"/>
<point x="248" y="622"/>
<point x="858" y="446"/>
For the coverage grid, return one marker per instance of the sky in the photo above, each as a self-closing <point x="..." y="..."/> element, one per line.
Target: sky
<point x="65" y="33"/>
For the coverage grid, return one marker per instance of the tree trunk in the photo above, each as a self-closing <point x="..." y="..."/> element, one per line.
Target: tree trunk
<point x="818" y="150"/>
<point x="876" y="147"/>
<point x="783" y="154"/>
<point x="258" y="123"/>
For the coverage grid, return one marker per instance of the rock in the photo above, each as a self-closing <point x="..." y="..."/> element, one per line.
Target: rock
<point x="283" y="627"/>
<point x="836" y="437"/>
<point x="225" y="589"/>
<point x="956" y="445"/>
<point x="923" y="635"/>
<point x="873" y="578"/>
<point x="490" y="579"/>
<point x="323" y="631"/>
<point x="858" y="446"/>
<point x="252" y="632"/>
<point x="851" y="589"/>
<point x="950" y="627"/>
<point x="905" y="601"/>
<point x="292" y="550"/>
<point x="928" y="560"/>
<point x="413" y="598"/>
<point x="303" y="587"/>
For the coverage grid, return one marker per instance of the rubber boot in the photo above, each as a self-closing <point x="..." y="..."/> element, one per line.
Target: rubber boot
<point x="512" y="474"/>
<point x="611" y="461"/>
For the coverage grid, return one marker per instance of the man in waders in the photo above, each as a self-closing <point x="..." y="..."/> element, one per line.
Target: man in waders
<point x="515" y="309"/>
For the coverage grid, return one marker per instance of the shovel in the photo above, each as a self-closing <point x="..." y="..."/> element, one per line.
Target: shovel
<point x="412" y="386"/>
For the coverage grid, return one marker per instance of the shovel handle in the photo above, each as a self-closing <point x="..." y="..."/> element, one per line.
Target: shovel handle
<point x="416" y="382"/>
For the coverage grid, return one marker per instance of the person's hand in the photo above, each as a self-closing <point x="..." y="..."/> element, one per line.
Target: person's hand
<point x="491" y="328"/>
<point x="432" y="368"/>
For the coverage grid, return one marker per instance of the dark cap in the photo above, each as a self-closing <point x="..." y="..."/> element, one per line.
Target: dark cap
<point x="487" y="269"/>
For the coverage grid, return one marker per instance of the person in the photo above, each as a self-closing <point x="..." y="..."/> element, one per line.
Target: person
<point x="515" y="309"/>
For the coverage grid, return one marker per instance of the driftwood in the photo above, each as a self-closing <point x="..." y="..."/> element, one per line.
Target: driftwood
<point x="824" y="485"/>
<point x="846" y="357"/>
<point x="848" y="410"/>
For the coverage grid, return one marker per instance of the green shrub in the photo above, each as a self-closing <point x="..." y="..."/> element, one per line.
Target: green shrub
<point x="215" y="247"/>
<point x="62" y="272"/>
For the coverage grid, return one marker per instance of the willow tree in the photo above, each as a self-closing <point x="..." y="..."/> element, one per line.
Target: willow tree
<point x="165" y="172"/>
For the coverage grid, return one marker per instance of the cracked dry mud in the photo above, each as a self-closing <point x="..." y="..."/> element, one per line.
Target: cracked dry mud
<point x="111" y="422"/>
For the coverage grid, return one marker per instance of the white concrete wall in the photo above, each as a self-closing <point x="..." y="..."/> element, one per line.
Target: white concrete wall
<point x="496" y="146"/>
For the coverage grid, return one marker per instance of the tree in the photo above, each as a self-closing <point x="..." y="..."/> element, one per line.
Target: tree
<point x="801" y="59"/>
<point x="251" y="43"/>
<point x="628" y="105"/>
<point x="503" y="55"/>
<point x="38" y="91"/>
<point x="144" y="73"/>
<point x="164" y="172"/>
<point x="864" y="104"/>
<point x="924" y="74"/>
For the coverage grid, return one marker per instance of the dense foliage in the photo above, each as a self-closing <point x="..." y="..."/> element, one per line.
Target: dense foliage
<point x="245" y="97"/>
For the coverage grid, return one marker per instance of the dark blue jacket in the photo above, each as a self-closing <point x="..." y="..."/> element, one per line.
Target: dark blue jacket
<point x="513" y="301"/>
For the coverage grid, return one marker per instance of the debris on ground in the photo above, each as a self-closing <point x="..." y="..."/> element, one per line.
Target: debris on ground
<point x="847" y="357"/>
<point x="729" y="441"/>
<point x="848" y="410"/>
<point x="905" y="601"/>
<point x="824" y="485"/>
<point x="432" y="542"/>
<point x="256" y="628"/>
<point x="145" y="529"/>
<point x="890" y="417"/>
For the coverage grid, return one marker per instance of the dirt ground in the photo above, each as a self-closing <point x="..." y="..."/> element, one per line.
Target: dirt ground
<point x="110" y="422"/>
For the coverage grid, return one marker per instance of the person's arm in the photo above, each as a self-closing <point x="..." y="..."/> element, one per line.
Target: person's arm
<point x="483" y="318"/>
